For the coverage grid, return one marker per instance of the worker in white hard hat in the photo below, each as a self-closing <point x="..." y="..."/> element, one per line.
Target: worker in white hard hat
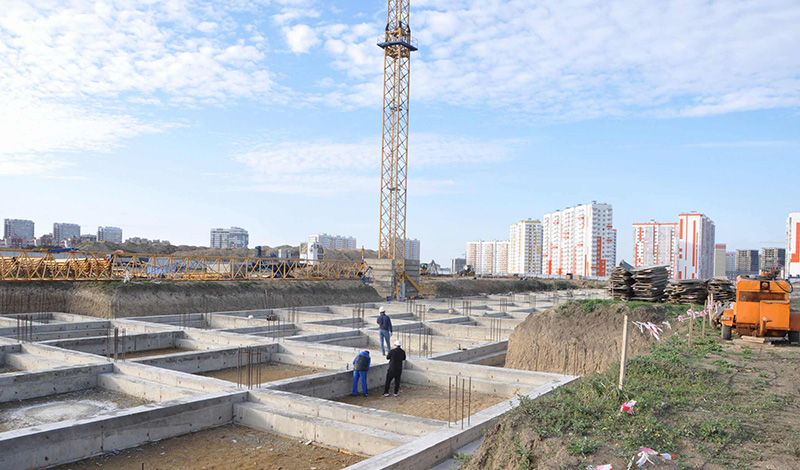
<point x="396" y="357"/>
<point x="384" y="329"/>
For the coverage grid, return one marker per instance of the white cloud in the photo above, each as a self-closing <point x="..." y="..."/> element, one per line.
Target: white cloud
<point x="580" y="59"/>
<point x="300" y="38"/>
<point x="325" y="167"/>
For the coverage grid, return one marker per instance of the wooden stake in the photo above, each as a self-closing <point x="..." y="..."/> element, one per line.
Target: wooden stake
<point x="624" y="353"/>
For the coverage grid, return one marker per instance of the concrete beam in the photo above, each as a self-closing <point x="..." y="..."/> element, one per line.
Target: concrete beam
<point x="24" y="385"/>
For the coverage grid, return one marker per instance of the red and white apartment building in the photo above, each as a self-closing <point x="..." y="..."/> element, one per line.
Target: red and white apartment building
<point x="687" y="246"/>
<point x="579" y="240"/>
<point x="793" y="245"/>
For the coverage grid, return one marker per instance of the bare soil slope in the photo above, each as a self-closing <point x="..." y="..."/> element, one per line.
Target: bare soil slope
<point x="579" y="337"/>
<point x="438" y="287"/>
<point x="115" y="299"/>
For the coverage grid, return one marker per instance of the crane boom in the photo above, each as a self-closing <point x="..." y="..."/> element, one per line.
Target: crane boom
<point x="397" y="46"/>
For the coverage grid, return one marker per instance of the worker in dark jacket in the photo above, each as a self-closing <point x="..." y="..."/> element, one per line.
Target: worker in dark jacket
<point x="396" y="357"/>
<point x="360" y="367"/>
<point x="384" y="329"/>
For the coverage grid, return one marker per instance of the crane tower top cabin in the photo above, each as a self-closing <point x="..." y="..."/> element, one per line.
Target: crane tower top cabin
<point x="397" y="46"/>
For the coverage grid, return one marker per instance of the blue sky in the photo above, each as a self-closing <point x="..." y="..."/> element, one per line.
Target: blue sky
<point x="167" y="118"/>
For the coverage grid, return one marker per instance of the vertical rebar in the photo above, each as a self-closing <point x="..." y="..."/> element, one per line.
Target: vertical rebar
<point x="124" y="343"/>
<point x="116" y="342"/>
<point x="239" y="367"/>
<point x="469" y="406"/>
<point x="462" y="403"/>
<point x="449" y="392"/>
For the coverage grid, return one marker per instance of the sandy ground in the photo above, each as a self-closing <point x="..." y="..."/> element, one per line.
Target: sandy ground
<point x="64" y="406"/>
<point x="223" y="448"/>
<point x="153" y="352"/>
<point x="270" y="371"/>
<point x="420" y="400"/>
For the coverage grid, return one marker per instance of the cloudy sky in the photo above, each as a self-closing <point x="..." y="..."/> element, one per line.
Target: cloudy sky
<point x="169" y="117"/>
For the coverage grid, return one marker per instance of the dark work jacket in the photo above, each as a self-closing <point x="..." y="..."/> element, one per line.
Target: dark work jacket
<point x="385" y="323"/>
<point x="396" y="357"/>
<point x="362" y="362"/>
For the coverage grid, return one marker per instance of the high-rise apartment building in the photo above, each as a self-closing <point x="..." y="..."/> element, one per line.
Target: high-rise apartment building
<point x="18" y="228"/>
<point x="793" y="245"/>
<point x="695" y="257"/>
<point x="654" y="244"/>
<point x="747" y="262"/>
<point x="234" y="237"/>
<point x="337" y="242"/>
<point x="488" y="258"/>
<point x="773" y="259"/>
<point x="720" y="260"/>
<point x="66" y="231"/>
<point x="730" y="265"/>
<point x="412" y="249"/>
<point x="525" y="248"/>
<point x="109" y="234"/>
<point x="579" y="240"/>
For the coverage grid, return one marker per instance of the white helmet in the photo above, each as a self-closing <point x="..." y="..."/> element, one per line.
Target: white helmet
<point x="382" y="310"/>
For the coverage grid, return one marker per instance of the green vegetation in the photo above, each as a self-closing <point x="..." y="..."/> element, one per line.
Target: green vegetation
<point x="682" y="403"/>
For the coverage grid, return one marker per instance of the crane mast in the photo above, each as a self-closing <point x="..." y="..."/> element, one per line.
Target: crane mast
<point x="397" y="46"/>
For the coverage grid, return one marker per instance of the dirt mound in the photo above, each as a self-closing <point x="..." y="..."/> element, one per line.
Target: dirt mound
<point x="438" y="287"/>
<point x="578" y="337"/>
<point x="115" y="299"/>
<point x="527" y="450"/>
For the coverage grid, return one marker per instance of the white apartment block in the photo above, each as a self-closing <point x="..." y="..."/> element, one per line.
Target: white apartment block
<point x="109" y="234"/>
<point x="654" y="244"/>
<point x="525" y="248"/>
<point x="792" y="265"/>
<point x="579" y="240"/>
<point x="720" y="261"/>
<point x="695" y="258"/>
<point x="336" y="242"/>
<point x="488" y="258"/>
<point x="412" y="249"/>
<point x="234" y="237"/>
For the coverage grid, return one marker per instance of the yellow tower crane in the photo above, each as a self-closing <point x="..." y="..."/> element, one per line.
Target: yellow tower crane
<point x="397" y="46"/>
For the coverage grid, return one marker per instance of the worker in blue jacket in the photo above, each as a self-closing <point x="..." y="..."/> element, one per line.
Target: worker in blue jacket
<point x="360" y="367"/>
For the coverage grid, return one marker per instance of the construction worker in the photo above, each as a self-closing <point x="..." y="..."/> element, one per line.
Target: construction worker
<point x="396" y="357"/>
<point x="385" y="329"/>
<point x="360" y="367"/>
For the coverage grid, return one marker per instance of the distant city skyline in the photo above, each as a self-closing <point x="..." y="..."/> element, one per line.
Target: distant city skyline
<point x="267" y="115"/>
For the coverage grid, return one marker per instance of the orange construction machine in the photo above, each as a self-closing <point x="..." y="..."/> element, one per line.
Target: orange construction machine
<point x="762" y="309"/>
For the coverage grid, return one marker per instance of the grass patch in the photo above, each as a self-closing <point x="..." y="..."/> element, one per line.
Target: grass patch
<point x="675" y="396"/>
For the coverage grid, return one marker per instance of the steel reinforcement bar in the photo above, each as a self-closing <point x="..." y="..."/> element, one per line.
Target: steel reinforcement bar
<point x="23" y="265"/>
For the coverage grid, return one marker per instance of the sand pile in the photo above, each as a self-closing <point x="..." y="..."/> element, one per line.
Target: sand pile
<point x="578" y="337"/>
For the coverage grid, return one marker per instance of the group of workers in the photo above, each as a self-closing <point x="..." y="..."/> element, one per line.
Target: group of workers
<point x="396" y="356"/>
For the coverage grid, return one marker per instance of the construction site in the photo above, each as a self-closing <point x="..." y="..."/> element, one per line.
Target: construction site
<point x="162" y="361"/>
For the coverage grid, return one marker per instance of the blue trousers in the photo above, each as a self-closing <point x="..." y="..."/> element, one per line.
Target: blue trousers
<point x="362" y="374"/>
<point x="386" y="335"/>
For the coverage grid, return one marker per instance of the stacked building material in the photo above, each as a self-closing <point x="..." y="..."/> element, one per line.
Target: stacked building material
<point x="687" y="291"/>
<point x="723" y="290"/>
<point x="649" y="283"/>
<point x="621" y="282"/>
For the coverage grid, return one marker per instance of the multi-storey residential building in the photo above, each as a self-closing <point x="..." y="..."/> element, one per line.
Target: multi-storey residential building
<point x="234" y="237"/>
<point x="88" y="237"/>
<point x="457" y="264"/>
<point x="333" y="241"/>
<point x="773" y="259"/>
<point x="747" y="262"/>
<point x="695" y="257"/>
<point x="412" y="249"/>
<point x="18" y="233"/>
<point x="525" y="248"/>
<point x="579" y="240"/>
<point x="730" y="265"/>
<point x="109" y="234"/>
<point x="654" y="244"/>
<point x="720" y="260"/>
<point x="66" y="231"/>
<point x="793" y="245"/>
<point x="488" y="257"/>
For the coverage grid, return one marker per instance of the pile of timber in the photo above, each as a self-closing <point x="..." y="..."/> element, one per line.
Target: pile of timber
<point x="723" y="290"/>
<point x="649" y="283"/>
<point x="687" y="291"/>
<point x="621" y="281"/>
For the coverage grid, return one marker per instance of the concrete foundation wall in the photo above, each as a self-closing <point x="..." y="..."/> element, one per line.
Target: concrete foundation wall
<point x="24" y="385"/>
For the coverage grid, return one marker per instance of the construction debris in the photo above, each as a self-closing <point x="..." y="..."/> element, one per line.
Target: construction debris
<point x="687" y="291"/>
<point x="621" y="282"/>
<point x="649" y="283"/>
<point x="722" y="289"/>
